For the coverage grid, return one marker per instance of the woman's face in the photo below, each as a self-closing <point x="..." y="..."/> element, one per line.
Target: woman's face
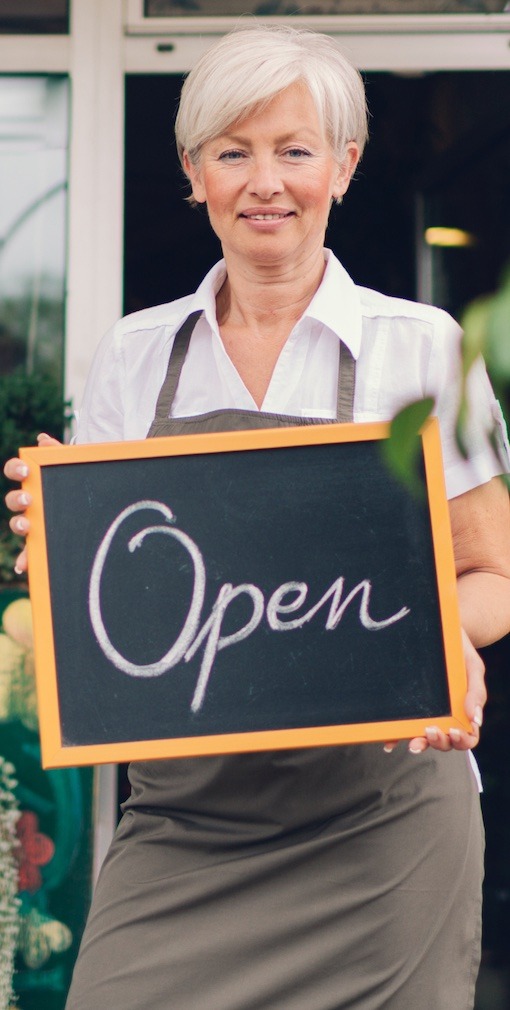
<point x="268" y="183"/>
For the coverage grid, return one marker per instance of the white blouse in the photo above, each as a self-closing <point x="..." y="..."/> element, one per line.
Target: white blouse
<point x="404" y="351"/>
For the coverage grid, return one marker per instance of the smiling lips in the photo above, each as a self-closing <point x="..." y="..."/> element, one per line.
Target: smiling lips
<point x="260" y="215"/>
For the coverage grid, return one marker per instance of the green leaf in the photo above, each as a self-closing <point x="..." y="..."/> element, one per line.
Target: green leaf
<point x="461" y="424"/>
<point x="474" y="322"/>
<point x="486" y="324"/>
<point x="497" y="350"/>
<point x="401" y="451"/>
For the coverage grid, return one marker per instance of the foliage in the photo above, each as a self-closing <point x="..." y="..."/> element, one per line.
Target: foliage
<point x="486" y="326"/>
<point x="33" y="342"/>
<point x="401" y="449"/>
<point x="9" y="901"/>
<point x="29" y="404"/>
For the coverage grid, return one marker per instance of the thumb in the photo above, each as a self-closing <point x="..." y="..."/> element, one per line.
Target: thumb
<point x="476" y="691"/>
<point x="44" y="439"/>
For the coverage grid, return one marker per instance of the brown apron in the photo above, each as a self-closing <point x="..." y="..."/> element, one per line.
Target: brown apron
<point x="317" y="879"/>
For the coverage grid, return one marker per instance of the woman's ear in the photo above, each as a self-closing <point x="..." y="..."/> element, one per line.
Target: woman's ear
<point x="193" y="174"/>
<point x="346" y="170"/>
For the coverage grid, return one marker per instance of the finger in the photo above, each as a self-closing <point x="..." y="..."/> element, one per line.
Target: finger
<point x="476" y="696"/>
<point x="19" y="525"/>
<point x="389" y="746"/>
<point x="21" y="565"/>
<point x="418" y="744"/>
<point x="18" y="501"/>
<point x="462" y="740"/>
<point x="434" y="737"/>
<point x="43" y="439"/>
<point x="437" y="738"/>
<point x="15" y="469"/>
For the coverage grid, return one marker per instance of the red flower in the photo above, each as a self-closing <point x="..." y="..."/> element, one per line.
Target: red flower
<point x="36" y="850"/>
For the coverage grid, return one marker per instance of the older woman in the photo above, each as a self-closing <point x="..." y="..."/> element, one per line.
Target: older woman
<point x="326" y="878"/>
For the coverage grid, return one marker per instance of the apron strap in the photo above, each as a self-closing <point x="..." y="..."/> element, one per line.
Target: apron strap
<point x="175" y="363"/>
<point x="346" y="374"/>
<point x="346" y="384"/>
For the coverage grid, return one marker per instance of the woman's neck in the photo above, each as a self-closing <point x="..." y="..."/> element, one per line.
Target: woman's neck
<point x="267" y="299"/>
<point x="256" y="312"/>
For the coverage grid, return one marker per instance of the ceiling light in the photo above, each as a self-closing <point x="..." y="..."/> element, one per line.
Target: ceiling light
<point x="449" y="237"/>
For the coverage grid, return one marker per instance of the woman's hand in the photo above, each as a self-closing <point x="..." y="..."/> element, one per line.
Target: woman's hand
<point x="460" y="739"/>
<point x="480" y="521"/>
<point x="18" y="501"/>
<point x="456" y="738"/>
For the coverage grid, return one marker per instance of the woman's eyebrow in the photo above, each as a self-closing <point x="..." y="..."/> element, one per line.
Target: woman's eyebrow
<point x="299" y="135"/>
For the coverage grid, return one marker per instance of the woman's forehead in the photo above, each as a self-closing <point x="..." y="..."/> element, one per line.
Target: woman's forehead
<point x="288" y="113"/>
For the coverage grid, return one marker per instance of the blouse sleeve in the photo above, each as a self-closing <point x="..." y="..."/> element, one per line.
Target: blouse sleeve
<point x="485" y="433"/>
<point x="101" y="416"/>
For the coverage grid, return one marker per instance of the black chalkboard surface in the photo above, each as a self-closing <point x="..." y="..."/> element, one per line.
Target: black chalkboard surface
<point x="234" y="592"/>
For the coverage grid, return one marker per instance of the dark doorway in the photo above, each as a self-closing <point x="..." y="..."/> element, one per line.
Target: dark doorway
<point x="438" y="141"/>
<point x="439" y="155"/>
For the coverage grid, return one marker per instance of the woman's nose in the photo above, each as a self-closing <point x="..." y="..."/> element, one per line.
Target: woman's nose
<point x="265" y="179"/>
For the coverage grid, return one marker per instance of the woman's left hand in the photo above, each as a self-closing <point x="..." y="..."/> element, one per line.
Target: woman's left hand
<point x="456" y="738"/>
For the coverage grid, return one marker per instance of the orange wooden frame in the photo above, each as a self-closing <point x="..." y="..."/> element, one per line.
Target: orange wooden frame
<point x="54" y="751"/>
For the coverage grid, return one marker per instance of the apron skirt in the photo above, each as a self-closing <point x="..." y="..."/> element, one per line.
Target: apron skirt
<point x="322" y="879"/>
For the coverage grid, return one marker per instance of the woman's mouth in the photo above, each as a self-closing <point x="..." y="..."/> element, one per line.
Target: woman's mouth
<point x="273" y="216"/>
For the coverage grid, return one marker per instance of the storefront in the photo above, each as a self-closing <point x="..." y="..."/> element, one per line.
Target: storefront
<point x="92" y="221"/>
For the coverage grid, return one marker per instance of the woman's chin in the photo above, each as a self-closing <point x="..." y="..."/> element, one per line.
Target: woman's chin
<point x="269" y="251"/>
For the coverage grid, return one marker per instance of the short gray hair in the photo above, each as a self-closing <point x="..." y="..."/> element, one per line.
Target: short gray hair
<point x="250" y="66"/>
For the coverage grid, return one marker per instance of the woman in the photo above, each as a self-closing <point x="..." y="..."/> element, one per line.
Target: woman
<point x="317" y="879"/>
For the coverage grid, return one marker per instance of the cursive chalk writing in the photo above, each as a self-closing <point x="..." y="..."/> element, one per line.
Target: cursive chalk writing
<point x="192" y="637"/>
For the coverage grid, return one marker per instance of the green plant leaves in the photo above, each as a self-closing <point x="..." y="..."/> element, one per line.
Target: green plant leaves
<point x="486" y="326"/>
<point x="401" y="451"/>
<point x="29" y="403"/>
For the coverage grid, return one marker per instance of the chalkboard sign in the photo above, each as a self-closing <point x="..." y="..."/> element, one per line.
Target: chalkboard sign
<point x="243" y="591"/>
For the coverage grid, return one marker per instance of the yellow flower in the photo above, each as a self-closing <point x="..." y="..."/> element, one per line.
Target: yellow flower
<point x="17" y="676"/>
<point x="40" y="937"/>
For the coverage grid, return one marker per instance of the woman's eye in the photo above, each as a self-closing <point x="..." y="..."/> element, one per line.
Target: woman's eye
<point x="297" y="152"/>
<point x="231" y="155"/>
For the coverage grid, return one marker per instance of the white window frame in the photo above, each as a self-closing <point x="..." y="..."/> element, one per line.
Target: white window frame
<point x="136" y="22"/>
<point x="109" y="38"/>
<point x="91" y="55"/>
<point x="404" y="43"/>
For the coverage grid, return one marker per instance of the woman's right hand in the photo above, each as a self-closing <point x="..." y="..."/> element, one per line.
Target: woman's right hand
<point x="19" y="500"/>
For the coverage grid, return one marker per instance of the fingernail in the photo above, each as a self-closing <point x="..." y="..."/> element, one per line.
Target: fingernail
<point x="21" y="471"/>
<point x="478" y="716"/>
<point x="387" y="748"/>
<point x="20" y="525"/>
<point x="18" y="571"/>
<point x="432" y="733"/>
<point x="416" y="748"/>
<point x="454" y="734"/>
<point x="24" y="499"/>
<point x="42" y="434"/>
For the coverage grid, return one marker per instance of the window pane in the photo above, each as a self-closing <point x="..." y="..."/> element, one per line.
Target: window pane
<point x="33" y="17"/>
<point x="33" y="184"/>
<point x="266" y="8"/>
